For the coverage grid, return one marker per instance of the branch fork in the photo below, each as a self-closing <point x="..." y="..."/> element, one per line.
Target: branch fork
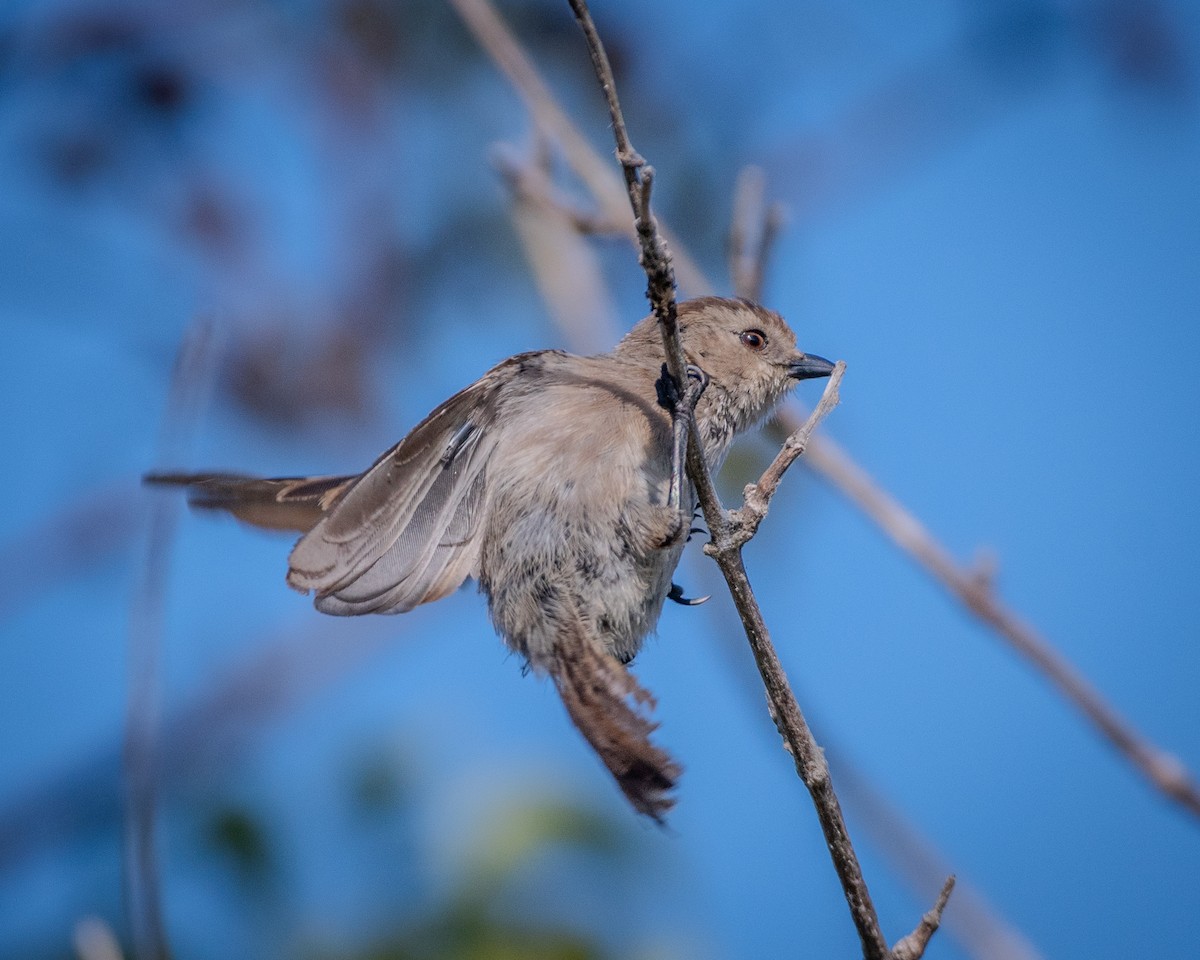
<point x="742" y="523"/>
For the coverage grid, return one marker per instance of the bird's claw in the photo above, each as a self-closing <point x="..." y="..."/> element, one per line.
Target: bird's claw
<point x="697" y="373"/>
<point x="669" y="395"/>
<point x="676" y="594"/>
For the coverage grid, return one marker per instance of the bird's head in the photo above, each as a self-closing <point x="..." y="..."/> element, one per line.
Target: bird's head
<point x="748" y="352"/>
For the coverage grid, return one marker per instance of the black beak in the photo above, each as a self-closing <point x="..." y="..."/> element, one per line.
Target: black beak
<point x="810" y="366"/>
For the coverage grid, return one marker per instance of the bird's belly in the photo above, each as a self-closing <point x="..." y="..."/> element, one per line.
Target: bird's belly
<point x="545" y="565"/>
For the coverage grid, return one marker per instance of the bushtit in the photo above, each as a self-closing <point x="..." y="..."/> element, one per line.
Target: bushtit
<point x="556" y="481"/>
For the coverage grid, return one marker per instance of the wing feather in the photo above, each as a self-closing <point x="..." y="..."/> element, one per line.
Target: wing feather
<point x="408" y="530"/>
<point x="432" y="555"/>
<point x="284" y="503"/>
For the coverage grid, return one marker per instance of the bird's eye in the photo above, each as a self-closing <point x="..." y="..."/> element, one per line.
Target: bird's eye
<point x="754" y="339"/>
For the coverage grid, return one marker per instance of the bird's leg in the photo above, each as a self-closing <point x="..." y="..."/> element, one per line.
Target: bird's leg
<point x="683" y="411"/>
<point x="683" y="407"/>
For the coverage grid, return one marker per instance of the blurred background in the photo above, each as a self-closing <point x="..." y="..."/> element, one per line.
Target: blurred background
<point x="994" y="218"/>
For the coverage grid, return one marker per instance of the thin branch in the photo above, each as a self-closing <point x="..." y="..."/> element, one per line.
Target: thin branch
<point x="913" y="946"/>
<point x="726" y="545"/>
<point x="639" y="184"/>
<point x="979" y="929"/>
<point x="631" y="163"/>
<point x="727" y="539"/>
<point x="653" y="255"/>
<point x="1165" y="772"/>
<point x="143" y="895"/>
<point x="744" y="522"/>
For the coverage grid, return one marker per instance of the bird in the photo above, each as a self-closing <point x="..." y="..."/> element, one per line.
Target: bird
<point x="558" y="483"/>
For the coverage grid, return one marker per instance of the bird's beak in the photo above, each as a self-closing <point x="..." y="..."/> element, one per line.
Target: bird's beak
<point x="808" y="366"/>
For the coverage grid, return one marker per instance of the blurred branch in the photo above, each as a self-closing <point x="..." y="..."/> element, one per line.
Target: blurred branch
<point x="72" y="541"/>
<point x="566" y="268"/>
<point x="143" y="896"/>
<point x="752" y="233"/>
<point x="531" y="181"/>
<point x="93" y="939"/>
<point x="1162" y="770"/>
<point x="730" y="532"/>
<point x="497" y="40"/>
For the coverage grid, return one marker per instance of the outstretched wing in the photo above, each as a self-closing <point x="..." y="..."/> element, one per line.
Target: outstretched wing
<point x="407" y="531"/>
<point x="286" y="503"/>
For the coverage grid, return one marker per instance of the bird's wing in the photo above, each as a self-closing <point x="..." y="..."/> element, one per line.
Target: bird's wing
<point x="408" y="530"/>
<point x="286" y="503"/>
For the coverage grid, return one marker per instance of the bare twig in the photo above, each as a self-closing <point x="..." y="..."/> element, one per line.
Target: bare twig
<point x="913" y="946"/>
<point x="726" y="548"/>
<point x="652" y="252"/>
<point x="744" y="522"/>
<point x="1162" y="770"/>
<point x="143" y="896"/>
<point x="639" y="183"/>
<point x="729" y="534"/>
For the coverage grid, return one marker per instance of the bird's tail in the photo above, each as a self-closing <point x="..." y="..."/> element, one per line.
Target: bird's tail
<point x="285" y="503"/>
<point x="609" y="708"/>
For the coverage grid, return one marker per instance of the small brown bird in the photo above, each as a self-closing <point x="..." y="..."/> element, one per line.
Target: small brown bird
<point x="555" y="481"/>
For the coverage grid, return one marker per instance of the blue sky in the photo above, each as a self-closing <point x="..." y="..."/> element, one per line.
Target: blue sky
<point x="995" y="222"/>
